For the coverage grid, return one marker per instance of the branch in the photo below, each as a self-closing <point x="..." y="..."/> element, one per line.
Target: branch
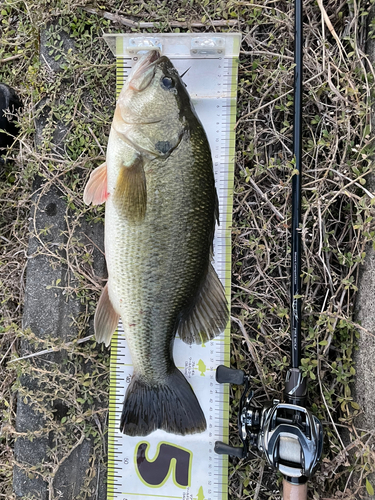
<point x="54" y="349"/>
<point x="116" y="18"/>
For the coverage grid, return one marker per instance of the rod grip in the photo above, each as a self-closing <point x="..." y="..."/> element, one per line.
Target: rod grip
<point x="294" y="491"/>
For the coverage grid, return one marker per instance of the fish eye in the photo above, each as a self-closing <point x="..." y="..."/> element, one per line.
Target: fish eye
<point x="167" y="82"/>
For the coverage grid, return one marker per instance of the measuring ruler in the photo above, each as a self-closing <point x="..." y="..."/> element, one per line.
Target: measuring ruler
<point x="163" y="465"/>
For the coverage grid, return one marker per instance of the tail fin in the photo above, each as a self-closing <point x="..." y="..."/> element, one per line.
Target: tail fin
<point x="171" y="406"/>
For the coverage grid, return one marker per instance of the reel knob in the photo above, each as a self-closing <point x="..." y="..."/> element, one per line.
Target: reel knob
<point x="225" y="375"/>
<point x="225" y="449"/>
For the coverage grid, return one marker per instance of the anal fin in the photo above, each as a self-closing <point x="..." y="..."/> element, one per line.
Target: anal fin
<point x="208" y="315"/>
<point x="106" y="318"/>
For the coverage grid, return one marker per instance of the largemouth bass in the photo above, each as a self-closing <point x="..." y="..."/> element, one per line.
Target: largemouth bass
<point x="161" y="208"/>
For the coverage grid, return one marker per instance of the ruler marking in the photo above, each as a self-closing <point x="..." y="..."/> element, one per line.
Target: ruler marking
<point x="222" y="89"/>
<point x="149" y="495"/>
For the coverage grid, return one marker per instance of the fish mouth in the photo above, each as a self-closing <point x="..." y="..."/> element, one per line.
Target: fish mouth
<point x="143" y="71"/>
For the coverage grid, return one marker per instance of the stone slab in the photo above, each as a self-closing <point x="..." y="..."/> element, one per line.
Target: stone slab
<point x="364" y="389"/>
<point x="48" y="313"/>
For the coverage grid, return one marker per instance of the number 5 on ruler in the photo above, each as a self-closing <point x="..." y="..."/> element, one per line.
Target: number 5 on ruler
<point x="169" y="459"/>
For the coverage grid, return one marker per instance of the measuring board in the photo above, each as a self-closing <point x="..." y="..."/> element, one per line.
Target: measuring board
<point x="163" y="465"/>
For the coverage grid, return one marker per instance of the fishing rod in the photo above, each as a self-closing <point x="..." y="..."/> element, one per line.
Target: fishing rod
<point x="288" y="434"/>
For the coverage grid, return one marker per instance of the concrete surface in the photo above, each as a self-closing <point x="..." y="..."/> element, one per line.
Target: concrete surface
<point x="365" y="357"/>
<point x="47" y="312"/>
<point x="364" y="389"/>
<point x="365" y="305"/>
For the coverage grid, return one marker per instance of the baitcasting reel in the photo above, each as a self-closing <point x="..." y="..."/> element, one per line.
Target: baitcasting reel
<point x="287" y="433"/>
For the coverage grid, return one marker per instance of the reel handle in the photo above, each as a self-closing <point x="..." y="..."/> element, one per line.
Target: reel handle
<point x="226" y="449"/>
<point x="294" y="491"/>
<point x="226" y="375"/>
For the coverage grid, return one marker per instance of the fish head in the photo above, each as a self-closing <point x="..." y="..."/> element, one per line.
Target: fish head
<point x="153" y="108"/>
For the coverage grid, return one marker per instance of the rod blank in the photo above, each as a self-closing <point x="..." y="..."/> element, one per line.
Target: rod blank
<point x="296" y="192"/>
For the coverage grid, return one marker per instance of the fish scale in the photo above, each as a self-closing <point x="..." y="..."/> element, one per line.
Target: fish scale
<point x="158" y="182"/>
<point x="166" y="279"/>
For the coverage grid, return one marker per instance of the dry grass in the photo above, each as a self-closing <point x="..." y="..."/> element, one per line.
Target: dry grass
<point x="337" y="207"/>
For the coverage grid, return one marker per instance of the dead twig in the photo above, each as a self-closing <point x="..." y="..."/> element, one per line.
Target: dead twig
<point x="251" y="349"/>
<point x="53" y="349"/>
<point x="265" y="198"/>
<point x="116" y="18"/>
<point x="275" y="100"/>
<point x="11" y="58"/>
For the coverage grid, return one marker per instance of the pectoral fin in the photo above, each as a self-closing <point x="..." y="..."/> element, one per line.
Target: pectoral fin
<point x="96" y="188"/>
<point x="208" y="315"/>
<point x="131" y="192"/>
<point x="106" y="318"/>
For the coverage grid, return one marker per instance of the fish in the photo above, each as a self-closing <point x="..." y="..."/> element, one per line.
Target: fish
<point x="160" y="215"/>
